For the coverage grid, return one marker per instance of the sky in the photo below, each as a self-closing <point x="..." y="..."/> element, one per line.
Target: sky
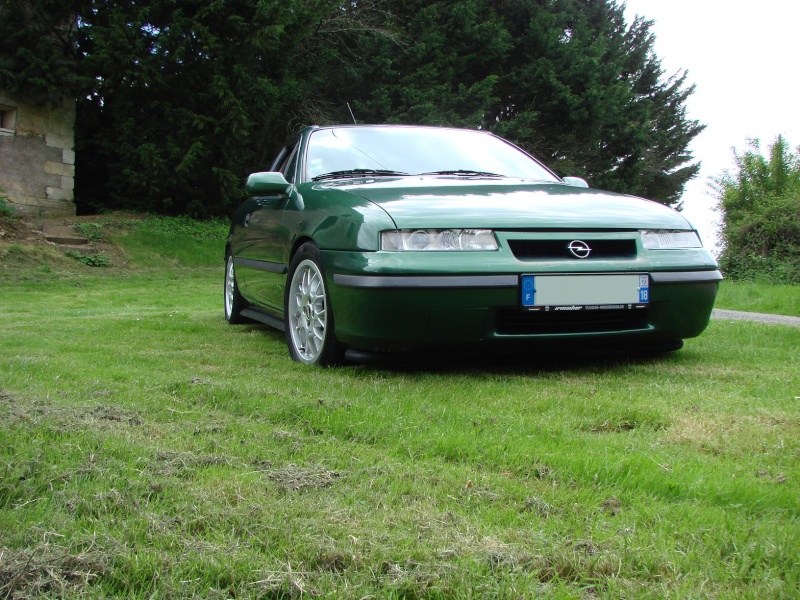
<point x="743" y="57"/>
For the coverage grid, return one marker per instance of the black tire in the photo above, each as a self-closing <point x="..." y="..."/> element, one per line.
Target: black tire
<point x="233" y="301"/>
<point x="308" y="316"/>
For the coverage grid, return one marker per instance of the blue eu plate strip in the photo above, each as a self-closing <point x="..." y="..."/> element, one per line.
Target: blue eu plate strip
<point x="528" y="290"/>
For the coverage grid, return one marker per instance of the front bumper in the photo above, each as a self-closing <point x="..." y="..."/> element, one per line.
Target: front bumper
<point x="392" y="309"/>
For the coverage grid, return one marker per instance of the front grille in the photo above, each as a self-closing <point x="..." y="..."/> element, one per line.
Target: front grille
<point x="519" y="322"/>
<point x="559" y="249"/>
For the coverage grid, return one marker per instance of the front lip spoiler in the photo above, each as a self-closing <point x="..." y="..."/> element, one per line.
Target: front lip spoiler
<point x="491" y="281"/>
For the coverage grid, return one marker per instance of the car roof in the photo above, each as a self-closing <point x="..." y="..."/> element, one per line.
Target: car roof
<point x="395" y="126"/>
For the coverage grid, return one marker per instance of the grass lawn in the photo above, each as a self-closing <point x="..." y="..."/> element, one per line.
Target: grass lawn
<point x="148" y="449"/>
<point x="760" y="297"/>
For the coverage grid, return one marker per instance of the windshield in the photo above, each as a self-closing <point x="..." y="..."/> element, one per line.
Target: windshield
<point x="416" y="151"/>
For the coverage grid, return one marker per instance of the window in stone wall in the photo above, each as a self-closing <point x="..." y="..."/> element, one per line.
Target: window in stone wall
<point x="8" y="120"/>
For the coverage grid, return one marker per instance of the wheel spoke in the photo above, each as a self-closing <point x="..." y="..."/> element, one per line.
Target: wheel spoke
<point x="307" y="311"/>
<point x="229" y="288"/>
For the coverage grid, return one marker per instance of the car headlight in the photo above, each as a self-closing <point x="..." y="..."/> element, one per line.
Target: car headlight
<point x="471" y="240"/>
<point x="670" y="240"/>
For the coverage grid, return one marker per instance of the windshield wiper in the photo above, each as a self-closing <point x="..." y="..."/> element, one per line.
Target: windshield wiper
<point x="357" y="173"/>
<point x="465" y="172"/>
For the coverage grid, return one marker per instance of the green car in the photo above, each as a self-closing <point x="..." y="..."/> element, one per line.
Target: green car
<point x="363" y="242"/>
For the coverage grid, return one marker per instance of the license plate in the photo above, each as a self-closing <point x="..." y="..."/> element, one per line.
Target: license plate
<point x="585" y="292"/>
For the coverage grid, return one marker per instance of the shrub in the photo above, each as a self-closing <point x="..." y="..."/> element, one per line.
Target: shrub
<point x="5" y="209"/>
<point x="90" y="260"/>
<point x="92" y="231"/>
<point x="760" y="206"/>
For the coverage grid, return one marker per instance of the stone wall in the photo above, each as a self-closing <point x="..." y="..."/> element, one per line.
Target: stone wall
<point x="37" y="160"/>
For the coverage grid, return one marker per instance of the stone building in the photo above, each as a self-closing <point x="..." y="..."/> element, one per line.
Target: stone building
<point x="37" y="159"/>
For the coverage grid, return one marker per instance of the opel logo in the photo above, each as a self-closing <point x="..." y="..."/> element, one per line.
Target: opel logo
<point x="579" y="249"/>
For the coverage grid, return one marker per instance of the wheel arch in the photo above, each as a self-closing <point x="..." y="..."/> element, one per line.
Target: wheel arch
<point x="302" y="239"/>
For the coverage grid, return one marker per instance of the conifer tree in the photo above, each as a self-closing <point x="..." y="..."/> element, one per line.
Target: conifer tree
<point x="180" y="99"/>
<point x="567" y="80"/>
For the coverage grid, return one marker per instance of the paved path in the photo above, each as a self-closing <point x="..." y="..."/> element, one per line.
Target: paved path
<point x="737" y="315"/>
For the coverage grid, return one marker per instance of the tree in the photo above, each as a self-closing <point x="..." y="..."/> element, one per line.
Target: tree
<point x="190" y="96"/>
<point x="38" y="56"/>
<point x="441" y="68"/>
<point x="588" y="95"/>
<point x="567" y="80"/>
<point x="760" y="205"/>
<point x="180" y="99"/>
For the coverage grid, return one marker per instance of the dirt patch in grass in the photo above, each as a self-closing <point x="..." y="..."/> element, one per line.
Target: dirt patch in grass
<point x="613" y="427"/>
<point x="24" y="247"/>
<point x="14" y="230"/>
<point x="730" y="435"/>
<point x="48" y="571"/>
<point x="67" y="418"/>
<point x="185" y="464"/>
<point x="294" y="478"/>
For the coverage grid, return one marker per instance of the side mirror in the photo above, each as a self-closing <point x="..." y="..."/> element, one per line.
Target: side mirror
<point x="575" y="182"/>
<point x="266" y="184"/>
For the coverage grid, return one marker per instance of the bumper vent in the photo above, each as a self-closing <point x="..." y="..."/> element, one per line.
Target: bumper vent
<point x="559" y="249"/>
<point x="518" y="322"/>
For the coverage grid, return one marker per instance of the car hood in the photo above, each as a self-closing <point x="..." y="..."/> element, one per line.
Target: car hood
<point x="417" y="202"/>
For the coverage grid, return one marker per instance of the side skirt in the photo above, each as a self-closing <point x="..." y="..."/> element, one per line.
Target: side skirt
<point x="262" y="317"/>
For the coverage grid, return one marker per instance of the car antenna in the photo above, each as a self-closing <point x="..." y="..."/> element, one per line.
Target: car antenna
<point x="351" y="114"/>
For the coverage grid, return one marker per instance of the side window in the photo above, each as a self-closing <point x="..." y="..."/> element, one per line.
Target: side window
<point x="282" y="153"/>
<point x="286" y="161"/>
<point x="290" y="168"/>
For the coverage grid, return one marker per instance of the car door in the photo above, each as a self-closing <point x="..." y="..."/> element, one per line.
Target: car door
<point x="262" y="245"/>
